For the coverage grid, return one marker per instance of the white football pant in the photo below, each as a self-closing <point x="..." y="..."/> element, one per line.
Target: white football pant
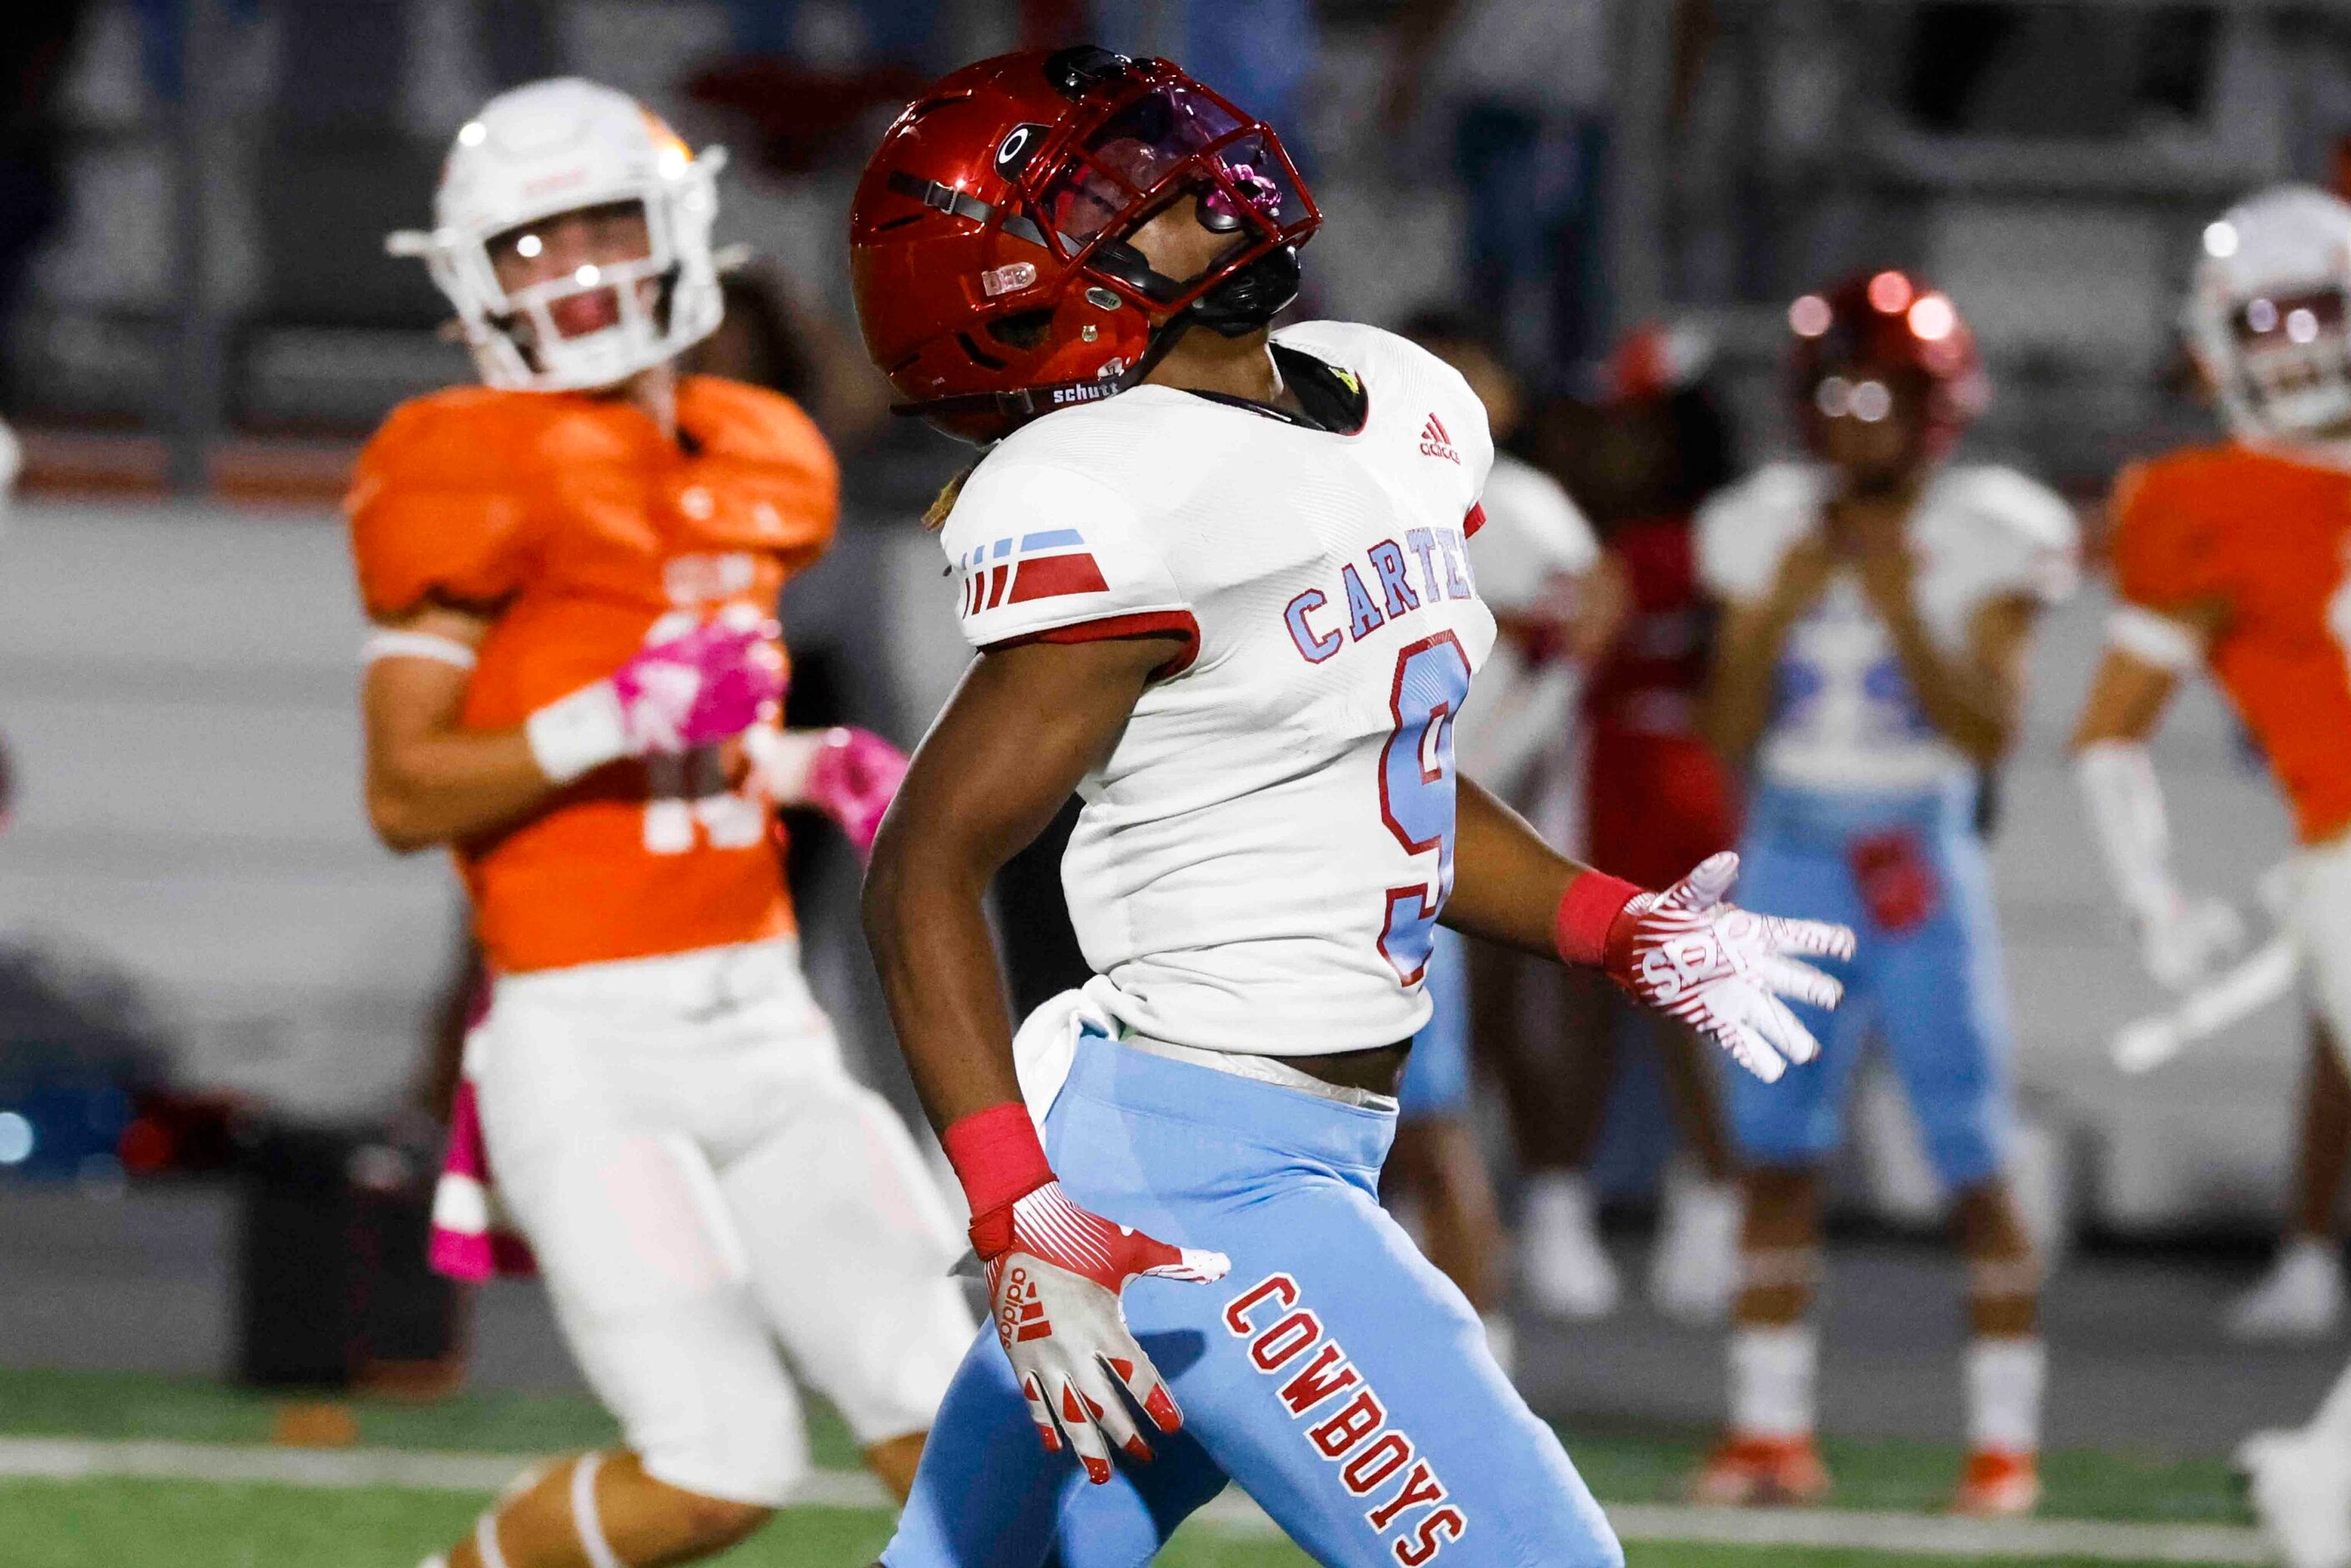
<point x="2321" y="917"/>
<point x="703" y="1182"/>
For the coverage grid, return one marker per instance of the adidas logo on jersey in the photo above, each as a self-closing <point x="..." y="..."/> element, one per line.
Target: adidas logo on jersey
<point x="1436" y="443"/>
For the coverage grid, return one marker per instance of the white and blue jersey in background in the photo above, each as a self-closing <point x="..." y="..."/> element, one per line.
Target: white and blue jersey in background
<point x="1862" y="813"/>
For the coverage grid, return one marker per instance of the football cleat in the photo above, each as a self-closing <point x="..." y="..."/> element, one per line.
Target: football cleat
<point x="1997" y="1485"/>
<point x="1749" y="1471"/>
<point x="2300" y="1486"/>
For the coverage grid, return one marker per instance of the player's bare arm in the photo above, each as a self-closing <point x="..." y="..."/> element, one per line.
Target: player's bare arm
<point x="1975" y="696"/>
<point x="1025" y="726"/>
<point x="1738" y="702"/>
<point x="1684" y="951"/>
<point x="432" y="780"/>
<point x="2132" y="689"/>
<point x="429" y="779"/>
<point x="1508" y="883"/>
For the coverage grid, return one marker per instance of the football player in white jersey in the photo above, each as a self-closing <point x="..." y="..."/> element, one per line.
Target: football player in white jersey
<point x="1223" y="594"/>
<point x="1879" y="608"/>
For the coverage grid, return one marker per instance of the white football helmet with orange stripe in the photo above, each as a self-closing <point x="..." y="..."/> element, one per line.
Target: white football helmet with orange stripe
<point x="563" y="146"/>
<point x="2267" y="318"/>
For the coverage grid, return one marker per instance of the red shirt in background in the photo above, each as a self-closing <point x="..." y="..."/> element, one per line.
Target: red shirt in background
<point x="1657" y="801"/>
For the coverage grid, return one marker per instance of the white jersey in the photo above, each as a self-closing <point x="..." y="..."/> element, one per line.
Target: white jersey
<point x="1261" y="861"/>
<point x="1844" y="719"/>
<point x="1534" y="536"/>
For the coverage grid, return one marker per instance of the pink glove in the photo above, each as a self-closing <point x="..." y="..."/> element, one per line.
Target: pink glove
<point x="705" y="685"/>
<point x="1719" y="968"/>
<point x="848" y="774"/>
<point x="1055" y="1273"/>
<point x="853" y="779"/>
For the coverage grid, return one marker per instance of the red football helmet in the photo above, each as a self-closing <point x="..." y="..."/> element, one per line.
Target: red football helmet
<point x="1851" y="338"/>
<point x="988" y="238"/>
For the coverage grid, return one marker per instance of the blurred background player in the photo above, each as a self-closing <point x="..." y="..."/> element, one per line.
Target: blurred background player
<point x="573" y="684"/>
<point x="1878" y="607"/>
<point x="2263" y="324"/>
<point x="1534" y="560"/>
<point x="1652" y="794"/>
<point x="2236" y="558"/>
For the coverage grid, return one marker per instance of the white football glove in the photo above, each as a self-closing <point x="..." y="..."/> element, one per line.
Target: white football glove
<point x="1723" y="969"/>
<point x="2182" y="939"/>
<point x="2187" y="939"/>
<point x="1055" y="1272"/>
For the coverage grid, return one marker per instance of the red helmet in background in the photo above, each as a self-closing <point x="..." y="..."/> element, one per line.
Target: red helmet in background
<point x="1654" y="360"/>
<point x="987" y="240"/>
<point x="1851" y="339"/>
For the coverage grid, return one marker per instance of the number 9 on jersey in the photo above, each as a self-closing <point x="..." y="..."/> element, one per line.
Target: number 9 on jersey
<point x="1417" y="789"/>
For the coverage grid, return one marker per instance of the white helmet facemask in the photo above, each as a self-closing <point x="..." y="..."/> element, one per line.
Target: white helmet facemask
<point x="560" y="146"/>
<point x="2270" y="318"/>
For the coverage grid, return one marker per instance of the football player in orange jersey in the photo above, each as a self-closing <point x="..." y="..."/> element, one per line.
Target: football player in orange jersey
<point x="572" y="686"/>
<point x="2237" y="558"/>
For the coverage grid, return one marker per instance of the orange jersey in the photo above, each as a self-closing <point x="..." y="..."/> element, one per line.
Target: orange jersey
<point x="572" y="521"/>
<point x="2264" y="535"/>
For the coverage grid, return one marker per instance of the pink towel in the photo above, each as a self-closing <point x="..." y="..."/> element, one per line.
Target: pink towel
<point x="472" y="1239"/>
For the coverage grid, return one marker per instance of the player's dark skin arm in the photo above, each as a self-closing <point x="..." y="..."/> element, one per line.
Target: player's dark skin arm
<point x="1025" y="725"/>
<point x="1506" y="881"/>
<point x="1976" y="698"/>
<point x="1736" y="706"/>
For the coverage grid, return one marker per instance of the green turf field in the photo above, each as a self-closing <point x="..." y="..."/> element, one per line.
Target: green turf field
<point x="109" y="1522"/>
<point x="187" y="1524"/>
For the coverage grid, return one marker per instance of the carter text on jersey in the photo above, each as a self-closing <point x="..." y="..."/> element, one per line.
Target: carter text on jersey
<point x="1386" y="590"/>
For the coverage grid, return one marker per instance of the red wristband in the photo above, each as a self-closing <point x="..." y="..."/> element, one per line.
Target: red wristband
<point x="996" y="1156"/>
<point x="1587" y="913"/>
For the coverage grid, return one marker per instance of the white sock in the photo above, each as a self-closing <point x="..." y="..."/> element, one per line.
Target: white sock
<point x="486" y="1542"/>
<point x="1564" y="1197"/>
<point x="1773" y="1371"/>
<point x="2334" y="1417"/>
<point x="599" y="1551"/>
<point x="2004" y="1383"/>
<point x="2313" y="1252"/>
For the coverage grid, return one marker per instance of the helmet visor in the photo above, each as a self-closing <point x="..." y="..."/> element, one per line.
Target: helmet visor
<point x="1172" y="140"/>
